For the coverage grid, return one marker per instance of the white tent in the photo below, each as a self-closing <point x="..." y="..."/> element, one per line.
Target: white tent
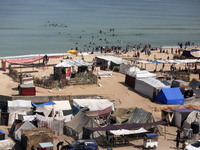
<point x="126" y="67"/>
<point x="141" y="74"/>
<point x="115" y="60"/>
<point x="16" y="107"/>
<point x="6" y="144"/>
<point x="25" y="125"/>
<point x="193" y="116"/>
<point x="61" y="106"/>
<point x="127" y="132"/>
<point x="71" y="63"/>
<point x="93" y="104"/>
<point x="149" y="86"/>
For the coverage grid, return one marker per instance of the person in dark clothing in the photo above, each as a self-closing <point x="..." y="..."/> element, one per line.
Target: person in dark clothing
<point x="59" y="144"/>
<point x="178" y="136"/>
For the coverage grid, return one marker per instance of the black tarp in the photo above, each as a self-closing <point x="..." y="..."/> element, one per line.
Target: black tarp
<point x="4" y="118"/>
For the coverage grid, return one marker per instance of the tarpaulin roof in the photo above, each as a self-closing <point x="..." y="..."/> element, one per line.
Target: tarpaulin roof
<point x="20" y="103"/>
<point x="194" y="84"/>
<point x="127" y="132"/>
<point x="47" y="103"/>
<point x="71" y="63"/>
<point x="141" y="74"/>
<point x="115" y="60"/>
<point x="24" y="61"/>
<point x="151" y="134"/>
<point x="125" y="126"/>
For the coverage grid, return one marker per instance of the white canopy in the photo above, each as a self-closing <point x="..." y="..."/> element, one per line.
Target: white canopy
<point x="71" y="63"/>
<point x="93" y="104"/>
<point x="116" y="60"/>
<point x="141" y="74"/>
<point x="20" y="103"/>
<point x="61" y="105"/>
<point x="127" y="132"/>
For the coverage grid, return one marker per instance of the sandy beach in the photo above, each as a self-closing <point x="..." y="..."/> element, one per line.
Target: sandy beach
<point x="113" y="88"/>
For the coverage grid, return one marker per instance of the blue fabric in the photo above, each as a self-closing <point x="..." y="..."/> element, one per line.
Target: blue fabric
<point x="47" y="103"/>
<point x="4" y="137"/>
<point x="151" y="134"/>
<point x="154" y="61"/>
<point x="171" y="96"/>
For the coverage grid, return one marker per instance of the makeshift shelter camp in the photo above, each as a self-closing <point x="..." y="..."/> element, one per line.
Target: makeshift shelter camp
<point x="149" y="87"/>
<point x="35" y="136"/>
<point x="16" y="107"/>
<point x="45" y="108"/>
<point x="91" y="104"/>
<point x="170" y="96"/>
<point x="180" y="115"/>
<point x="193" y="116"/>
<point x="25" y="125"/>
<point x="65" y="68"/>
<point x="108" y="62"/>
<point x="131" y="76"/>
<point x="74" y="128"/>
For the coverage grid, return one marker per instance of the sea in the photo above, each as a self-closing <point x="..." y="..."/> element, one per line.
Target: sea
<point x="56" y="26"/>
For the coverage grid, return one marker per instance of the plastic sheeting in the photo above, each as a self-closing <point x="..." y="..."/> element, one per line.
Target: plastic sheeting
<point x="116" y="60"/>
<point x="127" y="132"/>
<point x="71" y="63"/>
<point x="141" y="74"/>
<point x="20" y="103"/>
<point x="60" y="106"/>
<point x="6" y="144"/>
<point x="93" y="104"/>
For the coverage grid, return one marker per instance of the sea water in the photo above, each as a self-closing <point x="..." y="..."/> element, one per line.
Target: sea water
<point x="56" y="26"/>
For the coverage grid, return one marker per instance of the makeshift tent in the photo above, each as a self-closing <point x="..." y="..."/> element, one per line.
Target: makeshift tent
<point x="193" y="53"/>
<point x="170" y="96"/>
<point x="35" y="136"/>
<point x="121" y="115"/>
<point x="193" y="116"/>
<point x="62" y="108"/>
<point x="16" y="107"/>
<point x="27" y="90"/>
<point x="131" y="76"/>
<point x="46" y="108"/>
<point x="124" y="67"/>
<point x="2" y="135"/>
<point x="74" y="128"/>
<point x="195" y="85"/>
<point x="149" y="86"/>
<point x="177" y="83"/>
<point x="99" y="113"/>
<point x="127" y="132"/>
<point x="105" y="62"/>
<point x="6" y="144"/>
<point x="91" y="104"/>
<point x="25" y="125"/>
<point x="180" y="115"/>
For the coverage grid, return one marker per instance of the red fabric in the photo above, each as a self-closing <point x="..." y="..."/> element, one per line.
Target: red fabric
<point x="24" y="61"/>
<point x="28" y="91"/>
<point x="105" y="112"/>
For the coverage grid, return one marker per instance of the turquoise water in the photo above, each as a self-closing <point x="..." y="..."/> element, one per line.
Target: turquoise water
<point x="26" y="26"/>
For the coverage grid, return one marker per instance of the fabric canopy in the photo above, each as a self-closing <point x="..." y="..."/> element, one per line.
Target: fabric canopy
<point x="127" y="132"/>
<point x="24" y="61"/>
<point x="47" y="103"/>
<point x="126" y="126"/>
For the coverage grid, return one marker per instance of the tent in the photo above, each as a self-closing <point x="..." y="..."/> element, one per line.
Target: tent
<point x="6" y="144"/>
<point x="63" y="108"/>
<point x="105" y="62"/>
<point x="170" y="96"/>
<point x="193" y="53"/>
<point x="131" y="76"/>
<point x="16" y="107"/>
<point x="25" y="125"/>
<point x="91" y="104"/>
<point x="126" y="67"/>
<point x="149" y="86"/>
<point x="180" y="115"/>
<point x="195" y="85"/>
<point x="74" y="128"/>
<point x="193" y="116"/>
<point x="46" y="108"/>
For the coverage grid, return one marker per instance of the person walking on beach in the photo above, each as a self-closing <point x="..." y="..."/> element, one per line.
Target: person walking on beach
<point x="178" y="136"/>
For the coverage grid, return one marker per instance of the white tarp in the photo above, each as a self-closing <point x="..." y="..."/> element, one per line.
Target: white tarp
<point x="193" y="116"/>
<point x="20" y="103"/>
<point x="46" y="109"/>
<point x="71" y="63"/>
<point x="148" y="86"/>
<point x="29" y="117"/>
<point x="141" y="74"/>
<point x="93" y="104"/>
<point x="6" y="144"/>
<point x="25" y="125"/>
<point x="127" y="132"/>
<point x="126" y="67"/>
<point x="115" y="60"/>
<point x="64" y="118"/>
<point x="59" y="106"/>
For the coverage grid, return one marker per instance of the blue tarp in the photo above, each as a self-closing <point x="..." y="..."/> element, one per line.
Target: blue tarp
<point x="151" y="134"/>
<point x="4" y="135"/>
<point x="170" y="96"/>
<point x="47" y="103"/>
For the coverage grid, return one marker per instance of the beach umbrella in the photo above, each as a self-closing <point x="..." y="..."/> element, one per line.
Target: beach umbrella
<point x="72" y="52"/>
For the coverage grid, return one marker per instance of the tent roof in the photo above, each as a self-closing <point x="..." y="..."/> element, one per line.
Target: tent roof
<point x="93" y="104"/>
<point x="71" y="63"/>
<point x="63" y="105"/>
<point x="20" y="103"/>
<point x="24" y="61"/>
<point x="154" y="82"/>
<point x="194" y="83"/>
<point x="141" y="74"/>
<point x="47" y="103"/>
<point x="172" y="93"/>
<point x="184" y="110"/>
<point x="116" y="60"/>
<point x="151" y="134"/>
